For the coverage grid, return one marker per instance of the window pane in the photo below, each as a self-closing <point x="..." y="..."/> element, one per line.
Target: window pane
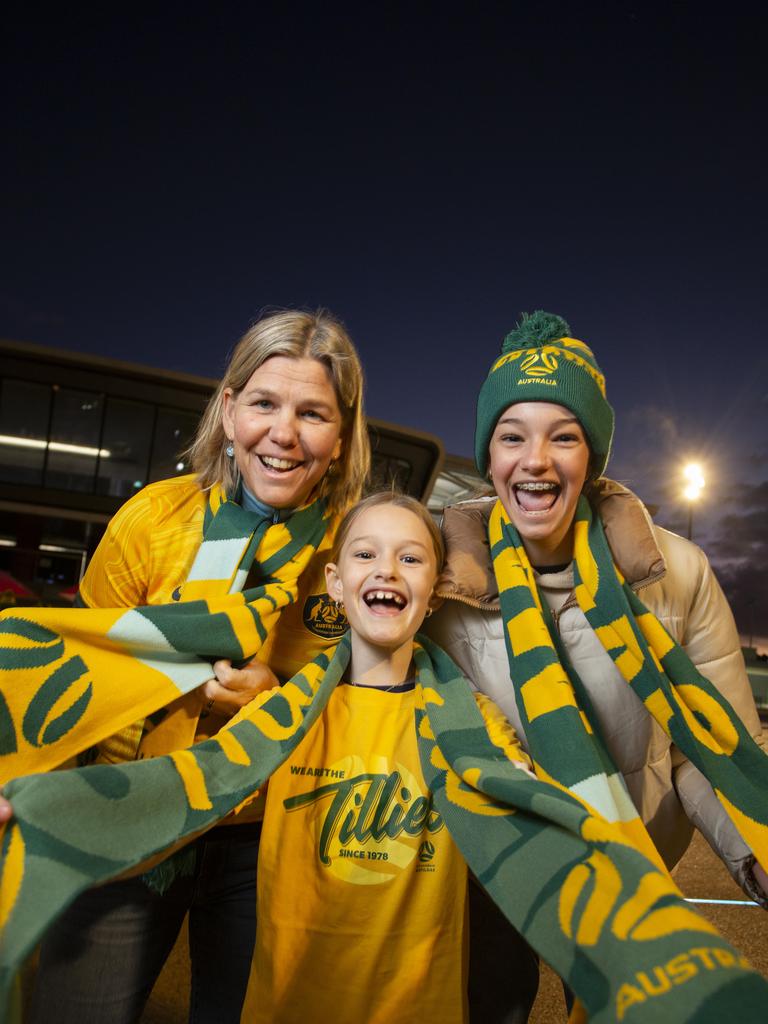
<point x="44" y="555"/>
<point x="127" y="436"/>
<point x="173" y="434"/>
<point x="74" y="446"/>
<point x="24" y="410"/>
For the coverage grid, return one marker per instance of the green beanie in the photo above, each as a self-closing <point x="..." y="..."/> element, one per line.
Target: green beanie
<point x="540" y="362"/>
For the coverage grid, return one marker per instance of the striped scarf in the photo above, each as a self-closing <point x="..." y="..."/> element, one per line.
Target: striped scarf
<point x="71" y="677"/>
<point x="608" y="919"/>
<point x="559" y="722"/>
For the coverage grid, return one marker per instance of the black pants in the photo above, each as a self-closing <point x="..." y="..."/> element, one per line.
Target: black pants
<point x="503" y="969"/>
<point x="99" y="961"/>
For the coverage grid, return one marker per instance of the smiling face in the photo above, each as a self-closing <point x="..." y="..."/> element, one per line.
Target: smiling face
<point x="285" y="426"/>
<point x="539" y="459"/>
<point x="385" y="575"/>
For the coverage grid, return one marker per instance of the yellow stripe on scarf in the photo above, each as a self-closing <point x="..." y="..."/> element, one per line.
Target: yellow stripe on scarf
<point x="549" y="690"/>
<point x="754" y="833"/>
<point x="12" y="873"/>
<point x="193" y="779"/>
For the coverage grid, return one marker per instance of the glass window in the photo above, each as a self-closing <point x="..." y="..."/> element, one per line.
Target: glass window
<point x="388" y="472"/>
<point x="125" y="442"/>
<point x="24" y="411"/>
<point x="174" y="431"/>
<point x="75" y="435"/>
<point x="42" y="558"/>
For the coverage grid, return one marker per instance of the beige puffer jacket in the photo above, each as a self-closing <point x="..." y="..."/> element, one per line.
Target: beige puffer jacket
<point x="675" y="581"/>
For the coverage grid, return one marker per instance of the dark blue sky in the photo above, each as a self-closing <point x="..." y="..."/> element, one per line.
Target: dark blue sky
<point x="427" y="176"/>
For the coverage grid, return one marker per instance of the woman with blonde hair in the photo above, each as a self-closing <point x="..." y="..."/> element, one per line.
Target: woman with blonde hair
<point x="280" y="453"/>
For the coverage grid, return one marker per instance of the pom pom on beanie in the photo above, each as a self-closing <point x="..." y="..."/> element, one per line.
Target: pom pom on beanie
<point x="541" y="362"/>
<point x="535" y="329"/>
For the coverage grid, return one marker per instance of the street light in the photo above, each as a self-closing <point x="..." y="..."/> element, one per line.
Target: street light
<point x="694" y="485"/>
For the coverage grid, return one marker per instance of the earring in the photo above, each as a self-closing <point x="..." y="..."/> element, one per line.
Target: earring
<point x="429" y="612"/>
<point x="230" y="450"/>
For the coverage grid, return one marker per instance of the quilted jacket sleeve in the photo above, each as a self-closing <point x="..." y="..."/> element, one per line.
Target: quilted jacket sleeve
<point x="709" y="636"/>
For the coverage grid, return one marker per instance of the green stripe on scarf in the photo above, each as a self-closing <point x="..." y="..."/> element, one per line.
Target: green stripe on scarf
<point x="612" y="924"/>
<point x="71" y="677"/>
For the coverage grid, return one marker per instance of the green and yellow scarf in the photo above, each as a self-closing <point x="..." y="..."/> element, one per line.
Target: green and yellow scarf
<point x="608" y="919"/>
<point x="71" y="677"/>
<point x="561" y="727"/>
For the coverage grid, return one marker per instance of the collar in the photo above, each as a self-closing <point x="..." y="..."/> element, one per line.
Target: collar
<point x="468" y="574"/>
<point x="251" y="503"/>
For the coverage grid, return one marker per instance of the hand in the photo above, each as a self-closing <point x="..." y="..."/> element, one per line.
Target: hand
<point x="233" y="688"/>
<point x="6" y="811"/>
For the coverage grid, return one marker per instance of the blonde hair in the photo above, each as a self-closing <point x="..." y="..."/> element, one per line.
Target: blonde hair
<point x="399" y="501"/>
<point x="295" y="335"/>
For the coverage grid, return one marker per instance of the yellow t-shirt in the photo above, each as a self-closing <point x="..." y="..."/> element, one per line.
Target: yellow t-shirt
<point x="146" y="554"/>
<point x="361" y="890"/>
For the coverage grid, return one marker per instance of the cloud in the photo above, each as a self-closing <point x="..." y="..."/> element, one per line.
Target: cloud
<point x="739" y="553"/>
<point x="747" y="592"/>
<point x="742" y="535"/>
<point x="652" y="421"/>
<point x="757" y="460"/>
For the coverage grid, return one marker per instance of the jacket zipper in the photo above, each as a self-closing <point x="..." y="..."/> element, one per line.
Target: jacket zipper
<point x="556" y="617"/>
<point x="642" y="584"/>
<point x="473" y="602"/>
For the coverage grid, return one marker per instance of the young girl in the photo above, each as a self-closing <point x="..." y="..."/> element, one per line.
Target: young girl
<point x="361" y="888"/>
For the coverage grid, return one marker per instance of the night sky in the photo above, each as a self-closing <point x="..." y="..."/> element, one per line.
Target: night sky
<point x="426" y="176"/>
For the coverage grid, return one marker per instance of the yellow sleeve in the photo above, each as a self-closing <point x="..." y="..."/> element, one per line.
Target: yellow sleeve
<point x="117" y="575"/>
<point x="145" y="552"/>
<point x="501" y="732"/>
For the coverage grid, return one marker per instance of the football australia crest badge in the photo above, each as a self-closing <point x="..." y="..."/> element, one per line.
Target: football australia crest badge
<point x="324" y="617"/>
